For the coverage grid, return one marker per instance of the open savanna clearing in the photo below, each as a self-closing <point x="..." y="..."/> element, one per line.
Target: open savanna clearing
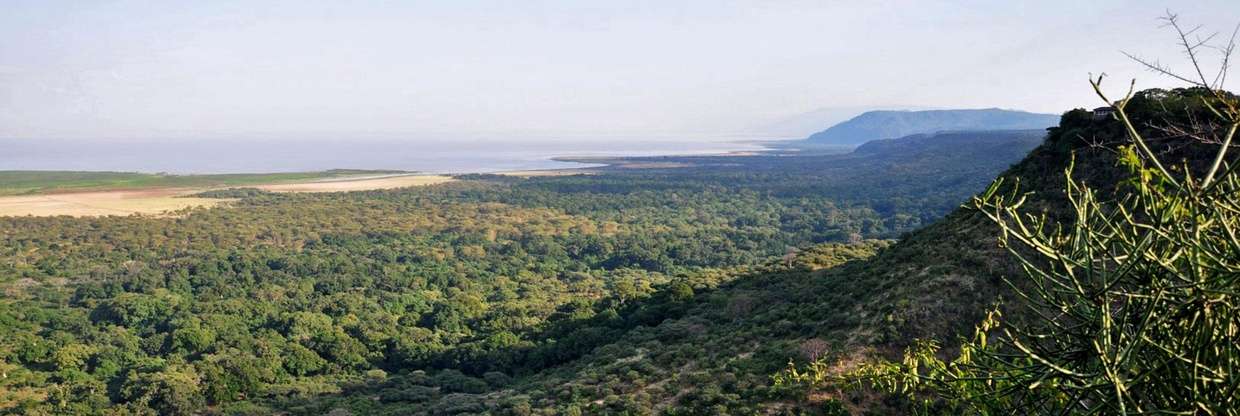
<point x="154" y="201"/>
<point x="92" y="204"/>
<point x="357" y="184"/>
<point x="545" y="173"/>
<point x="36" y="182"/>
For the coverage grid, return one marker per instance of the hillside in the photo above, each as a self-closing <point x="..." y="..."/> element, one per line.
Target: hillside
<point x="441" y="296"/>
<point x="675" y="289"/>
<point x="710" y="350"/>
<point x="878" y="125"/>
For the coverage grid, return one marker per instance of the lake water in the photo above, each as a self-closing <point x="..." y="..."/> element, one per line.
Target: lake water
<point x="257" y="156"/>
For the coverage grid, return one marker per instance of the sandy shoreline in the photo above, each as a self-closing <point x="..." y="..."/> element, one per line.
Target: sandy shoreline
<point x="156" y="201"/>
<point x="358" y="184"/>
<point x="101" y="203"/>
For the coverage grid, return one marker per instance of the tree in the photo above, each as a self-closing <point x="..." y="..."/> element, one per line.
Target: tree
<point x="232" y="375"/>
<point x="301" y="361"/>
<point x="681" y="291"/>
<point x="192" y="338"/>
<point x="813" y="348"/>
<point x="135" y="310"/>
<point x="175" y="390"/>
<point x="303" y="326"/>
<point x="72" y="356"/>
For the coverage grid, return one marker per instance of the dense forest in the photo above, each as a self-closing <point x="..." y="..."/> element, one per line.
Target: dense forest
<point x="424" y="299"/>
<point x="662" y="285"/>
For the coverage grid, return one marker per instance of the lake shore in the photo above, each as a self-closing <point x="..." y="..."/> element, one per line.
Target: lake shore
<point x="161" y="197"/>
<point x="156" y="200"/>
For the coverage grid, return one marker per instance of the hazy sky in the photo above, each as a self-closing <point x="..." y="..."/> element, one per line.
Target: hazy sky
<point x="511" y="69"/>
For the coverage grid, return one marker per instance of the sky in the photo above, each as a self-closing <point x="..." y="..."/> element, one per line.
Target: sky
<point x="509" y="70"/>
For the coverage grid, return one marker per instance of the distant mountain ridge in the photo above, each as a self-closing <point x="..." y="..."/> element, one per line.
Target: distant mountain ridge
<point x="798" y="126"/>
<point x="1022" y="141"/>
<point x="886" y="124"/>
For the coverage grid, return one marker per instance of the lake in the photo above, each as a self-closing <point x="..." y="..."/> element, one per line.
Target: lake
<point x="260" y="156"/>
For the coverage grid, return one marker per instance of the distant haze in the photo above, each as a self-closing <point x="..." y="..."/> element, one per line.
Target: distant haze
<point x="878" y="125"/>
<point x="586" y="70"/>
<point x="801" y="125"/>
<point x="261" y="156"/>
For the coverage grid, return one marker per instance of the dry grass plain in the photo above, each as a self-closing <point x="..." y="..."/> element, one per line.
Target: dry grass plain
<point x="544" y="173"/>
<point x="357" y="184"/>
<point x="92" y="204"/>
<point x="157" y="201"/>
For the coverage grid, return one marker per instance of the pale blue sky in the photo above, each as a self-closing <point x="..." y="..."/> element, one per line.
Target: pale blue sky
<point x="513" y="69"/>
